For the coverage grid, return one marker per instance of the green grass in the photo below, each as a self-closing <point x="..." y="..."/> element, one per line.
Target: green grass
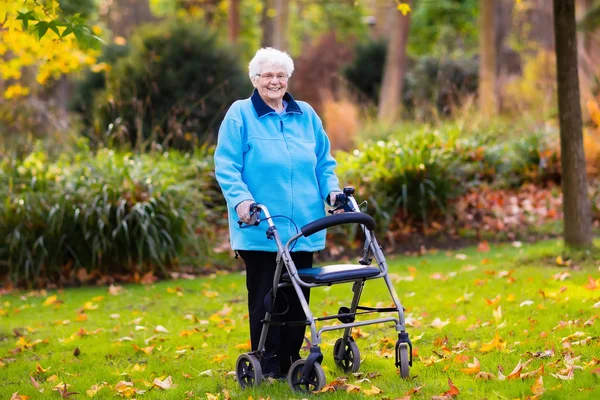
<point x="441" y="283"/>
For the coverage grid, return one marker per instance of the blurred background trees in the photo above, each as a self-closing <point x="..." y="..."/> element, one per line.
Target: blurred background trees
<point x="414" y="95"/>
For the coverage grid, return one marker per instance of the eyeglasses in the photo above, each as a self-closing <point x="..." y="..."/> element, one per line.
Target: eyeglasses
<point x="269" y="77"/>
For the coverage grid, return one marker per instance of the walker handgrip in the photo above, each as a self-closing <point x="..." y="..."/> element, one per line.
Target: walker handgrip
<point x="338" y="219"/>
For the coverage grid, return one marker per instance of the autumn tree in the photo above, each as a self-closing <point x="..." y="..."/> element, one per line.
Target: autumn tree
<point x="390" y="98"/>
<point x="576" y="204"/>
<point x="487" y="57"/>
<point x="38" y="44"/>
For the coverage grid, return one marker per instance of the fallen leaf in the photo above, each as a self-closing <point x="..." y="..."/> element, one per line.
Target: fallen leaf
<point x="486" y="376"/>
<point x="439" y="324"/>
<point x="373" y="391"/>
<point x="165" y="384"/>
<point x="453" y="391"/>
<point x="160" y="329"/>
<point x="473" y="368"/>
<point x="538" y="387"/>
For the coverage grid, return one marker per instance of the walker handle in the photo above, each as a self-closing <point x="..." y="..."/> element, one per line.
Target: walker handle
<point x="338" y="219"/>
<point x="255" y="217"/>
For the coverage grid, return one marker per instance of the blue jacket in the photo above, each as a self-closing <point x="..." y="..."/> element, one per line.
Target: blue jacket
<point x="281" y="161"/>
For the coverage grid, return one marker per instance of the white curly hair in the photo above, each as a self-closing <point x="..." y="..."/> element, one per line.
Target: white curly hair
<point x="270" y="56"/>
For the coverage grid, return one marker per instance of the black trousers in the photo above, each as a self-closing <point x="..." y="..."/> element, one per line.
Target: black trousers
<point x="283" y="343"/>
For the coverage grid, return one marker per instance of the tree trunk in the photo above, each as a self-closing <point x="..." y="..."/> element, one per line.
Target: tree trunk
<point x="487" y="58"/>
<point x="282" y="9"/>
<point x="390" y="99"/>
<point x="576" y="204"/>
<point x="234" y="20"/>
<point x="268" y="24"/>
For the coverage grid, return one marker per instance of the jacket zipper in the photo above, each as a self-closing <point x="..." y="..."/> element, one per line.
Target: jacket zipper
<point x="291" y="176"/>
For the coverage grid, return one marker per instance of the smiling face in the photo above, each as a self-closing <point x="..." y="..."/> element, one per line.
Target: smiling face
<point x="271" y="84"/>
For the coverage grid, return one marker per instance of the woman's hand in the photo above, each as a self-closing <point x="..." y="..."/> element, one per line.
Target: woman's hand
<point x="334" y="201"/>
<point x="243" y="211"/>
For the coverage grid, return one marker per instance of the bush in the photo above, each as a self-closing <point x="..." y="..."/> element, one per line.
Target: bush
<point x="106" y="214"/>
<point x="413" y="178"/>
<point x="173" y="88"/>
<point x="365" y="73"/>
<point x="430" y="84"/>
<point x="29" y="122"/>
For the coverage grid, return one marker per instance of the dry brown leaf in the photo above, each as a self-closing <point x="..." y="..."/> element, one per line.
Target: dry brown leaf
<point x="486" y="376"/>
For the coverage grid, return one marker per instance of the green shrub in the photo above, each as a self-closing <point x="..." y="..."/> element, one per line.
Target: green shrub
<point x="108" y="213"/>
<point x="173" y="88"/>
<point x="365" y="73"/>
<point x="413" y="178"/>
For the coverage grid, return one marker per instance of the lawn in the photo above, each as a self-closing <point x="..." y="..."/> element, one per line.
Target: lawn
<point x="473" y="314"/>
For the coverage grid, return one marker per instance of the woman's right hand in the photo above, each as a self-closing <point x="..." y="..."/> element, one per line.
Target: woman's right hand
<point x="243" y="211"/>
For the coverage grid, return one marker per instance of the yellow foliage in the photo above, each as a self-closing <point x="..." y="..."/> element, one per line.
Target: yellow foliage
<point x="536" y="89"/>
<point x="48" y="57"/>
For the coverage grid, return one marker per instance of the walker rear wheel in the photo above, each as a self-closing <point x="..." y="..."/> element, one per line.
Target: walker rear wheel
<point x="404" y="359"/>
<point x="314" y="382"/>
<point x="248" y="370"/>
<point x="350" y="360"/>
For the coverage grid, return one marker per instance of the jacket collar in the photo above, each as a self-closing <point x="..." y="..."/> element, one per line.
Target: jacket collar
<point x="263" y="109"/>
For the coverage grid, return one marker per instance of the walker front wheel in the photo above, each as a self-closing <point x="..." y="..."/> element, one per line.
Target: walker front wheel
<point x="248" y="371"/>
<point x="404" y="360"/>
<point x="314" y="382"/>
<point x="350" y="359"/>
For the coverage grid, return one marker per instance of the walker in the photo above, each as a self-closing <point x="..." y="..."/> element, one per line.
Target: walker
<point x="307" y="375"/>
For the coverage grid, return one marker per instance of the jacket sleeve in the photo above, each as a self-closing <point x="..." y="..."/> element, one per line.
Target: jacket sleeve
<point x="325" y="170"/>
<point x="229" y="162"/>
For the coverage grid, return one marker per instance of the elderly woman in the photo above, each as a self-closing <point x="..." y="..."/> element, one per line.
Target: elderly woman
<point x="273" y="150"/>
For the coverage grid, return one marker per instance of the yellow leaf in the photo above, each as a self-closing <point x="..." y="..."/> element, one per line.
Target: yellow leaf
<point x="52" y="378"/>
<point x="404" y="8"/>
<point x="50" y="300"/>
<point x="139" y="368"/>
<point x="210" y="294"/>
<point x="39" y="369"/>
<point x="147" y="350"/>
<point x="125" y="389"/>
<point x="88" y="306"/>
<point x="91" y="392"/>
<point x="496" y="343"/>
<point x="17" y="396"/>
<point x="373" y="391"/>
<point x="98" y="299"/>
<point x="219" y="357"/>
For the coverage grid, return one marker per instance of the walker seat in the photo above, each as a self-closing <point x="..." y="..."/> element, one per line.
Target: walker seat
<point x="334" y="273"/>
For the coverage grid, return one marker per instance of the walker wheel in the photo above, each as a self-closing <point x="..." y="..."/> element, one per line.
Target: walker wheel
<point x="248" y="370"/>
<point x="315" y="381"/>
<point x="404" y="359"/>
<point x="350" y="359"/>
